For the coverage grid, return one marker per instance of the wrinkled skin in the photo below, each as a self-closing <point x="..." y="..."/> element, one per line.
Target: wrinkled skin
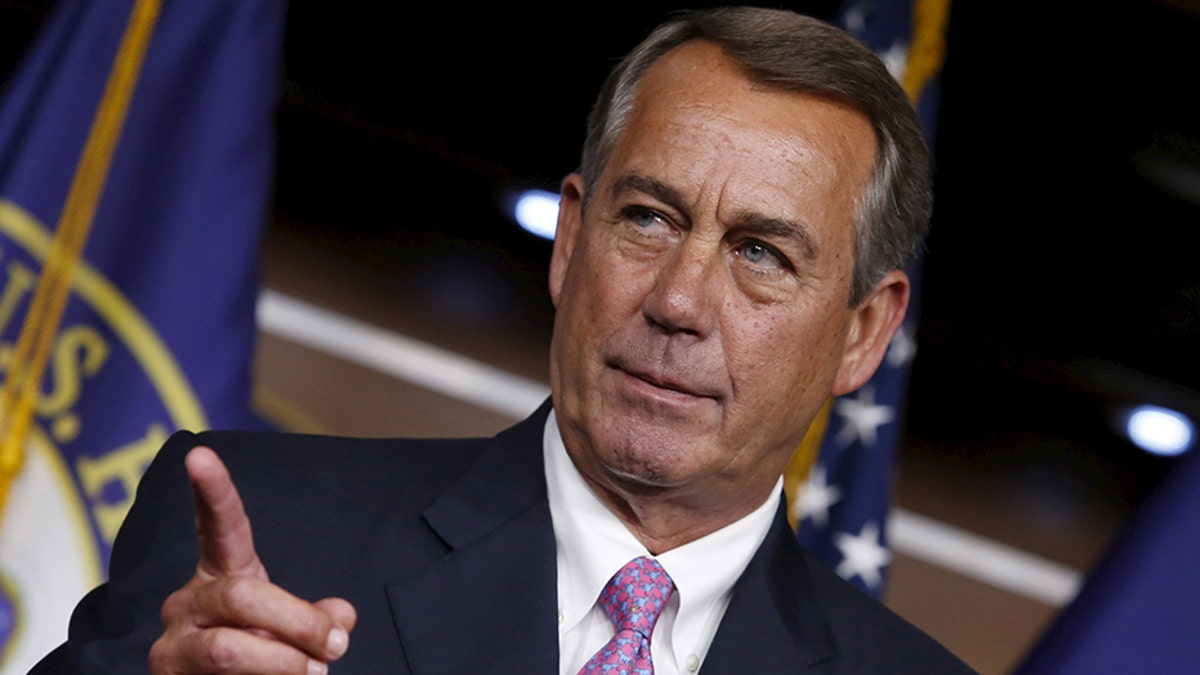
<point x="702" y="295"/>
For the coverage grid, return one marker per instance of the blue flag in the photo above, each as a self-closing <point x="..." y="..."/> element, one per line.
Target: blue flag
<point x="1137" y="610"/>
<point x="843" y="506"/>
<point x="136" y="158"/>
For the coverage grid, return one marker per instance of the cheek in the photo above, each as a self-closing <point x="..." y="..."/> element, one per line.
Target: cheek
<point x="600" y="295"/>
<point x="613" y="286"/>
<point x="786" y="362"/>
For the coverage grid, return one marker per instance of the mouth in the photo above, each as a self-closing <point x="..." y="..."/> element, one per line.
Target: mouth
<point x="662" y="385"/>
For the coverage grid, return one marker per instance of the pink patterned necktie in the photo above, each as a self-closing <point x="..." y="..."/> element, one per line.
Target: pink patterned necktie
<point x="634" y="598"/>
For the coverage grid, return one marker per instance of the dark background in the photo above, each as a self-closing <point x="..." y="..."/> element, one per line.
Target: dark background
<point x="1060" y="283"/>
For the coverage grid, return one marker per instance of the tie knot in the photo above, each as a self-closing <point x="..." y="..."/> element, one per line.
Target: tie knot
<point x="635" y="596"/>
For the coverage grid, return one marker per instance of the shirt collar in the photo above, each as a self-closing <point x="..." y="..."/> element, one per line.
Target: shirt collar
<point x="592" y="544"/>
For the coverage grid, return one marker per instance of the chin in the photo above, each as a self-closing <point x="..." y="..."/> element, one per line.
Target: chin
<point x="651" y="456"/>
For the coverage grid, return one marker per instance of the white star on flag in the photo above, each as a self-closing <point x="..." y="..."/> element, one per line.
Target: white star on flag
<point x="862" y="555"/>
<point x="818" y="495"/>
<point x="861" y="417"/>
<point x="902" y="349"/>
<point x="855" y="20"/>
<point x="895" y="59"/>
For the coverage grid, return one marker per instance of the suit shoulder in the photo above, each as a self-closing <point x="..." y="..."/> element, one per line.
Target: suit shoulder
<point x="873" y="635"/>
<point x="276" y="441"/>
<point x="309" y="454"/>
<point x="349" y="471"/>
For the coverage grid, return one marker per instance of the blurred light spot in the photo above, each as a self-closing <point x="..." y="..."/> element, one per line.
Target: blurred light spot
<point x="1159" y="431"/>
<point x="1175" y="176"/>
<point x="537" y="212"/>
<point x="1171" y="161"/>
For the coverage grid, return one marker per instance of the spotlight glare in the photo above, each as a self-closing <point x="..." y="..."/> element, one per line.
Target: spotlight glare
<point x="1159" y="431"/>
<point x="536" y="211"/>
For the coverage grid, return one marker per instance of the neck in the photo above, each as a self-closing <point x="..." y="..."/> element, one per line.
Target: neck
<point x="662" y="520"/>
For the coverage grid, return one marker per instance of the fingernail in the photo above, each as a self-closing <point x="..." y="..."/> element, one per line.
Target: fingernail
<point x="317" y="667"/>
<point x="337" y="643"/>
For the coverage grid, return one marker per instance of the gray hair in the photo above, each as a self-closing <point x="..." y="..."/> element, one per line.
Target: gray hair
<point x="791" y="52"/>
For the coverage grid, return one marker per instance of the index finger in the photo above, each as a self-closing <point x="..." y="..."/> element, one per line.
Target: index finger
<point x="226" y="540"/>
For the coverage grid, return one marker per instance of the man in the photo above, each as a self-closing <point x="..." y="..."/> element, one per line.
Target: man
<point x="753" y="183"/>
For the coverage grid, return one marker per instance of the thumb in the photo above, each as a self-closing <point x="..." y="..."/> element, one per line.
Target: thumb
<point x="344" y="616"/>
<point x="340" y="611"/>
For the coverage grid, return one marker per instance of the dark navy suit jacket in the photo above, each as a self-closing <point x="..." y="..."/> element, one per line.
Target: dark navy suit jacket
<point x="446" y="549"/>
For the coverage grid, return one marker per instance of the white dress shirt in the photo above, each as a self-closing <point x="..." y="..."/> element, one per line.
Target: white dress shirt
<point x="593" y="544"/>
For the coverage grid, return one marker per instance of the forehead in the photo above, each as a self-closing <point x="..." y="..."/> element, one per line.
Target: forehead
<point x="698" y="121"/>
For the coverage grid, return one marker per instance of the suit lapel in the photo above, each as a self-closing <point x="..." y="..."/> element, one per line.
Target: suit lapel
<point x="774" y="584"/>
<point x="496" y="520"/>
<point x="496" y="590"/>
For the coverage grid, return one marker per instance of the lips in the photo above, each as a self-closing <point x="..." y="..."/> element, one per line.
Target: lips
<point x="664" y="382"/>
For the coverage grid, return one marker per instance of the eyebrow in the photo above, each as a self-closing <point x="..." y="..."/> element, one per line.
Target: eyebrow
<point x="781" y="228"/>
<point x="749" y="221"/>
<point x="637" y="182"/>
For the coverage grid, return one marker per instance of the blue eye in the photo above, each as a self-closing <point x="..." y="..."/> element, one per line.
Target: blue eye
<point x="762" y="255"/>
<point x="756" y="252"/>
<point x="644" y="218"/>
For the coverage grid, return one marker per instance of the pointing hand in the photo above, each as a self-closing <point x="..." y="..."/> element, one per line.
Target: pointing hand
<point x="230" y="618"/>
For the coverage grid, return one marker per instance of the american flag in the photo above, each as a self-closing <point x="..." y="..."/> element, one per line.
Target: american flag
<point x="843" y="505"/>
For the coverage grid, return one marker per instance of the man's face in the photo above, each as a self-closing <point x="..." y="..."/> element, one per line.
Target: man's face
<point x="702" y="298"/>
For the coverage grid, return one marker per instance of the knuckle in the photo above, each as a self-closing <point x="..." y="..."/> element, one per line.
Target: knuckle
<point x="175" y="605"/>
<point x="218" y="649"/>
<point x="160" y="655"/>
<point x="238" y="595"/>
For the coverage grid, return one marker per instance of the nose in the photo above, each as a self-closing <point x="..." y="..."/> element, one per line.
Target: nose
<point x="687" y="292"/>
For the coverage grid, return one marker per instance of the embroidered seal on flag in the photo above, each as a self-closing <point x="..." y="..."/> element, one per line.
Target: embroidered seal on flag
<point x="85" y="452"/>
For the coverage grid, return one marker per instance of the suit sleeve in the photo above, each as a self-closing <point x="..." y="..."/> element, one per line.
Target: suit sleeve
<point x="154" y="554"/>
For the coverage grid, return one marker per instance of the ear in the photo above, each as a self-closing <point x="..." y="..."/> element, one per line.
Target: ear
<point x="570" y="219"/>
<point x="876" y="319"/>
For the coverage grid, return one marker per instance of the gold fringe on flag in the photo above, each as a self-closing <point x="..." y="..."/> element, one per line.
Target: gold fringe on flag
<point x="926" y="53"/>
<point x="27" y="364"/>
